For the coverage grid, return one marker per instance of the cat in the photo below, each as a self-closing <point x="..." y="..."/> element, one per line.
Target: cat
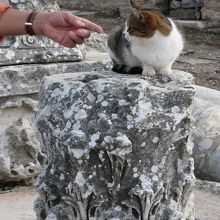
<point x="120" y="52"/>
<point x="149" y="41"/>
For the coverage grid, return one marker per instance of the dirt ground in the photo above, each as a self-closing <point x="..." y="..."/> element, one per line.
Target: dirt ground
<point x="200" y="57"/>
<point x="17" y="204"/>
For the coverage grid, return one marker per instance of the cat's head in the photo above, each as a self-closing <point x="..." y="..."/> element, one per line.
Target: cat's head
<point x="143" y="22"/>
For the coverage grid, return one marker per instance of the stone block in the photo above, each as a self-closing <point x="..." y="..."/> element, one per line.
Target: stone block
<point x="117" y="147"/>
<point x="27" y="50"/>
<point x="212" y="4"/>
<point x="184" y="14"/>
<point x="27" y="79"/>
<point x="206" y="139"/>
<point x="211" y="11"/>
<point x="192" y="3"/>
<point x="175" y="4"/>
<point x="211" y="15"/>
<point x="22" y="158"/>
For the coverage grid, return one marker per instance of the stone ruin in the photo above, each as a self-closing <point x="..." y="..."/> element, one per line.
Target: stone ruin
<point x="93" y="169"/>
<point x="24" y="61"/>
<point x="117" y="147"/>
<point x="181" y="9"/>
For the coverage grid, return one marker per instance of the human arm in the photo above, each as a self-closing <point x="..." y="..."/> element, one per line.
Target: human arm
<point x="62" y="27"/>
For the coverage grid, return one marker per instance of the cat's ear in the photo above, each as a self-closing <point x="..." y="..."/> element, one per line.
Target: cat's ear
<point x="136" y="9"/>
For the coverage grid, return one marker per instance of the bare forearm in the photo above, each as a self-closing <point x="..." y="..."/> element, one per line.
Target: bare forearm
<point x="13" y="22"/>
<point x="61" y="26"/>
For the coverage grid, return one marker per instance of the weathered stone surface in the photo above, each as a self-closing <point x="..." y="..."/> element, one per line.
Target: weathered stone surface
<point x="38" y="5"/>
<point x="22" y="157"/>
<point x="19" y="139"/>
<point x="208" y="186"/>
<point x="206" y="113"/>
<point x="192" y="3"/>
<point x="117" y="147"/>
<point x="206" y="138"/>
<point x="212" y="4"/>
<point x="211" y="11"/>
<point x="39" y="50"/>
<point x="122" y="7"/>
<point x="210" y="95"/>
<point x="26" y="79"/>
<point x="114" y="7"/>
<point x="97" y="42"/>
<point x="185" y="14"/>
<point x="175" y="4"/>
<point x="19" y="84"/>
<point x="11" y="109"/>
<point x="199" y="25"/>
<point x="213" y="30"/>
<point x="211" y="15"/>
<point x="27" y="49"/>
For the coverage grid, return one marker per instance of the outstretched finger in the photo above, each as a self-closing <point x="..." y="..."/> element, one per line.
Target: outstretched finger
<point x="73" y="20"/>
<point x="91" y="26"/>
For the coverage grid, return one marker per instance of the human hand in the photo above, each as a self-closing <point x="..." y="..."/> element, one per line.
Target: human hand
<point x="64" y="27"/>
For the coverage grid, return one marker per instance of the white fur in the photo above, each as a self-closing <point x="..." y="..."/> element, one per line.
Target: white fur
<point x="157" y="53"/>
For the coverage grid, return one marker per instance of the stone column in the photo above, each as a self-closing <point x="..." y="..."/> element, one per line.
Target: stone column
<point x="211" y="12"/>
<point x="117" y="147"/>
<point x="26" y="49"/>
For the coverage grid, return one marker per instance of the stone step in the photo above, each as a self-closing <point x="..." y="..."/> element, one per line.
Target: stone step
<point x="26" y="79"/>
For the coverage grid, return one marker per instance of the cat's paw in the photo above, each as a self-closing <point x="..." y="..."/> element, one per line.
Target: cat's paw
<point x="148" y="72"/>
<point x="165" y="71"/>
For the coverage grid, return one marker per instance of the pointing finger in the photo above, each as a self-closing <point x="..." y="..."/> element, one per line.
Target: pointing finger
<point x="92" y="26"/>
<point x="73" y="20"/>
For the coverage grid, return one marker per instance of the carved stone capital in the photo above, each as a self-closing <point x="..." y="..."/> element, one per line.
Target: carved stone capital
<point x="117" y="147"/>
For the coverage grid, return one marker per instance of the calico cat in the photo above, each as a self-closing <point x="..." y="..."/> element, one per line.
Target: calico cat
<point x="149" y="41"/>
<point x="120" y="52"/>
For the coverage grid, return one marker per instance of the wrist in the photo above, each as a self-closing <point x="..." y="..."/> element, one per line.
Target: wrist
<point x="39" y="22"/>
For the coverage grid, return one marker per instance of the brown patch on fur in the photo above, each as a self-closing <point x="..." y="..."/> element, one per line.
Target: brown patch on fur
<point x="144" y="22"/>
<point x="163" y="24"/>
<point x="137" y="28"/>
